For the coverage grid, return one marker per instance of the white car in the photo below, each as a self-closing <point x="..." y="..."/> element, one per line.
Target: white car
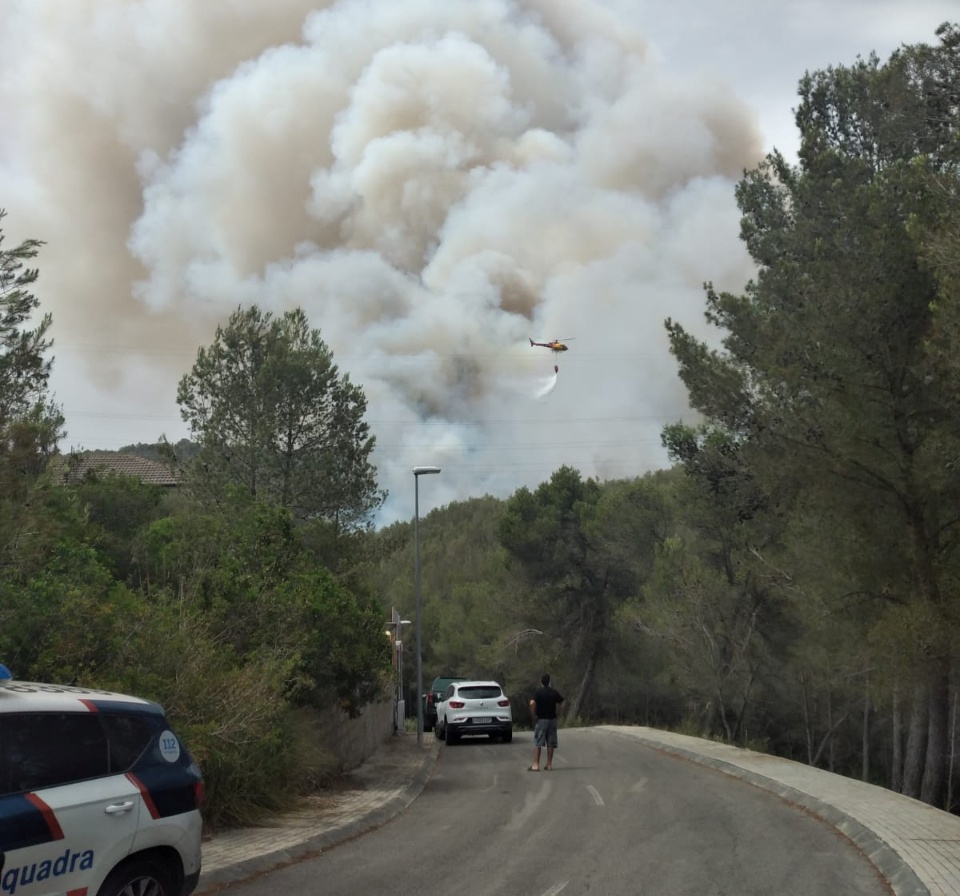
<point x="474" y="707"/>
<point x="98" y="796"/>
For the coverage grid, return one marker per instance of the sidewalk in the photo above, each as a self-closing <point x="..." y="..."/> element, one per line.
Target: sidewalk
<point x="366" y="798"/>
<point x="915" y="847"/>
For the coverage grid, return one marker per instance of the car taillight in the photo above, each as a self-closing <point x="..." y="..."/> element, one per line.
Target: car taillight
<point x="457" y="704"/>
<point x="503" y="702"/>
<point x="198" y="794"/>
<point x="429" y="699"/>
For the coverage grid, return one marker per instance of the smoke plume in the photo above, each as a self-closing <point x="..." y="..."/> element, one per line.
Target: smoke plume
<point x="433" y="181"/>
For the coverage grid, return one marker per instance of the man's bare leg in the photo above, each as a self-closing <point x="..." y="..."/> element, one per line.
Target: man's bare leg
<point x="536" y="760"/>
<point x="549" y="758"/>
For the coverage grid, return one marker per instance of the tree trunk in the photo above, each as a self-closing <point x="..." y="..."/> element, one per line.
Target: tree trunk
<point x="722" y="712"/>
<point x="896" y="758"/>
<point x="807" y="727"/>
<point x="952" y="752"/>
<point x="827" y="742"/>
<point x="586" y="682"/>
<point x="865" y="739"/>
<point x="828" y="737"/>
<point x="914" y="757"/>
<point x="738" y="731"/>
<point x="708" y="719"/>
<point x="933" y="786"/>
<point x="934" y="671"/>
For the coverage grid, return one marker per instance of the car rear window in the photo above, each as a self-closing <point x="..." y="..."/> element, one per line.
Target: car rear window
<point x="479" y="692"/>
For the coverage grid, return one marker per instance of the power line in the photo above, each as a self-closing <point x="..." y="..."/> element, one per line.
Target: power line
<point x="425" y="357"/>
<point x="504" y="421"/>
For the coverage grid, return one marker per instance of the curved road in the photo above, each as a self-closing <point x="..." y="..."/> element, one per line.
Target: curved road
<point x="613" y="817"/>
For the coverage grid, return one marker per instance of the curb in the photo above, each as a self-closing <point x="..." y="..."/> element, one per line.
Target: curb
<point x="213" y="881"/>
<point x="895" y="871"/>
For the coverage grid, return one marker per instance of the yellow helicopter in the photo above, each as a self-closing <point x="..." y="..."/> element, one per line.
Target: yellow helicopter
<point x="555" y="345"/>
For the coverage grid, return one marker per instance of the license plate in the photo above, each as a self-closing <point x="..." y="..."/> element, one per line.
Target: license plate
<point x="484" y="721"/>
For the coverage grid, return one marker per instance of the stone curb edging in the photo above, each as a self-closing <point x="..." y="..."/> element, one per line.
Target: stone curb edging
<point x="895" y="871"/>
<point x="211" y="882"/>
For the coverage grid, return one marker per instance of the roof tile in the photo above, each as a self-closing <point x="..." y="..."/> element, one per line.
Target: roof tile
<point x="70" y="469"/>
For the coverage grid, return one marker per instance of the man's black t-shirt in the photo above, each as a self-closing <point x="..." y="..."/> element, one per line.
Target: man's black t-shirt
<point x="547" y="700"/>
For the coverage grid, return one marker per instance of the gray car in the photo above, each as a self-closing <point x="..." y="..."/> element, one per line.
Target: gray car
<point x="432" y="697"/>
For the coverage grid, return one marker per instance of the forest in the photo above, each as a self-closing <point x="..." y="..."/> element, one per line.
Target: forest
<point x="789" y="584"/>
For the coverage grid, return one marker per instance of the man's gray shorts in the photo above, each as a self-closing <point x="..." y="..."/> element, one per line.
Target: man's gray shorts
<point x="545" y="733"/>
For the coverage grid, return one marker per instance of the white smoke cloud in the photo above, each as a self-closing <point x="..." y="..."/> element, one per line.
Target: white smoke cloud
<point x="433" y="181"/>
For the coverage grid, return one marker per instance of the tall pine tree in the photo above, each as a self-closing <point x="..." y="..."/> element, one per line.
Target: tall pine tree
<point x="827" y="378"/>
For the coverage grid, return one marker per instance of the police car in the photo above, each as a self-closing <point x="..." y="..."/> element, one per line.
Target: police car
<point x="98" y="797"/>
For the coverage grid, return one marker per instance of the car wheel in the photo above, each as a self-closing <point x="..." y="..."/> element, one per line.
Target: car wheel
<point x="508" y="736"/>
<point x="439" y="732"/>
<point x="140" y="878"/>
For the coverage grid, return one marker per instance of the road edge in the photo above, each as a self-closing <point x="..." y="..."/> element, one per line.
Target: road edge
<point x="894" y="869"/>
<point x="213" y="881"/>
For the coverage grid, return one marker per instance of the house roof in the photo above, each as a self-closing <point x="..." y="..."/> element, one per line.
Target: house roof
<point x="71" y="469"/>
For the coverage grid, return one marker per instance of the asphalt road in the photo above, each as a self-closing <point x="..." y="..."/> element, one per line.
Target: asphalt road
<point x="613" y="818"/>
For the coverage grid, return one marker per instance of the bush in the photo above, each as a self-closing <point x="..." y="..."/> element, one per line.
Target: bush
<point x="256" y="752"/>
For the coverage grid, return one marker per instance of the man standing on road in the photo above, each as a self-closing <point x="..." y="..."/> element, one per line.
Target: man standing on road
<point x="543" y="708"/>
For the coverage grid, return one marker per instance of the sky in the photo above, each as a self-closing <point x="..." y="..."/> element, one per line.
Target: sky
<point x="435" y="182"/>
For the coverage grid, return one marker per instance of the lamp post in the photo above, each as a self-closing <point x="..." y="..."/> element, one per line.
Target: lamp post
<point x="396" y="635"/>
<point x="417" y="473"/>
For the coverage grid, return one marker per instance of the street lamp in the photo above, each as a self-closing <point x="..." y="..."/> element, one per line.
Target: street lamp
<point x="417" y="473"/>
<point x="396" y="636"/>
